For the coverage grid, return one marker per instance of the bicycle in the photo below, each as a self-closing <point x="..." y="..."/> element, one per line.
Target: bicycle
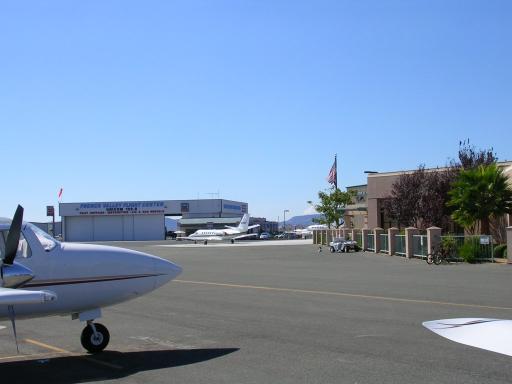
<point x="440" y="254"/>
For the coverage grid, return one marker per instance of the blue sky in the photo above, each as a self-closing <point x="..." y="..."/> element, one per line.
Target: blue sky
<point x="148" y="100"/>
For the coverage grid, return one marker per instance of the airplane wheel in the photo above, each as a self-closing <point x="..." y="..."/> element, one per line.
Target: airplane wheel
<point x="205" y="242"/>
<point x="232" y="241"/>
<point x="95" y="344"/>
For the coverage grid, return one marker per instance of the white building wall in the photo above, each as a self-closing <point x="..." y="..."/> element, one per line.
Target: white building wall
<point x="137" y="220"/>
<point x="128" y="230"/>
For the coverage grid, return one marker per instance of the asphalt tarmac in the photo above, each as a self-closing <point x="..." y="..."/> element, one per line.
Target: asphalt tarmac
<point x="278" y="313"/>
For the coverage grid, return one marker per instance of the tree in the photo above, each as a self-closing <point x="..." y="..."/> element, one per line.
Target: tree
<point x="332" y="206"/>
<point x="418" y="198"/>
<point x="480" y="194"/>
<point x="470" y="157"/>
<point x="402" y="204"/>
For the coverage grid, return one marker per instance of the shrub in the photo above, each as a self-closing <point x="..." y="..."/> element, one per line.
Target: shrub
<point x="500" y="250"/>
<point x="470" y="250"/>
<point x="449" y="245"/>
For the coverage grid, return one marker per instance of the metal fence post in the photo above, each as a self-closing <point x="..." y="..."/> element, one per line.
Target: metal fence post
<point x="364" y="238"/>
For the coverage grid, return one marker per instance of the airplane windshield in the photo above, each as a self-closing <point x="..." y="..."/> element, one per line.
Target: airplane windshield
<point x="47" y="242"/>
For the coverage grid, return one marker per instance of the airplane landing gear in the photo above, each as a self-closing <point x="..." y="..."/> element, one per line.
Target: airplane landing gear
<point x="232" y="241"/>
<point x="95" y="337"/>
<point x="205" y="242"/>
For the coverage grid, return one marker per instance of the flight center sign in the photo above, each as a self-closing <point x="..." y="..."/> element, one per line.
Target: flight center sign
<point x="121" y="208"/>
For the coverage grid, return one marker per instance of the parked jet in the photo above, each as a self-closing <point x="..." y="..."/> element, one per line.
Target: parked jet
<point x="490" y="334"/>
<point x="53" y="278"/>
<point x="230" y="233"/>
<point x="308" y="231"/>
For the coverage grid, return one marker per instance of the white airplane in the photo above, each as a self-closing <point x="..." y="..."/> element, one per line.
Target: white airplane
<point x="230" y="233"/>
<point x="308" y="231"/>
<point x="53" y="278"/>
<point x="490" y="334"/>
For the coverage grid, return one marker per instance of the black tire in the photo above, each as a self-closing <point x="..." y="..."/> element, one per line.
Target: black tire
<point x="206" y="242"/>
<point x="332" y="249"/>
<point x="95" y="344"/>
<point x="430" y="258"/>
<point x="437" y="259"/>
<point x="232" y="241"/>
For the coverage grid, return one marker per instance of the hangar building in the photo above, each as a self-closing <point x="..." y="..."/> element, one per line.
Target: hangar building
<point x="138" y="220"/>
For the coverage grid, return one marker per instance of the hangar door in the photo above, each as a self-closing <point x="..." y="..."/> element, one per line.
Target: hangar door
<point x="122" y="227"/>
<point x="108" y="228"/>
<point x="149" y="227"/>
<point x="79" y="228"/>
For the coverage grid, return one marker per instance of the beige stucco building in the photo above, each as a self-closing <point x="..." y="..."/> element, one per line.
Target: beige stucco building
<point x="379" y="188"/>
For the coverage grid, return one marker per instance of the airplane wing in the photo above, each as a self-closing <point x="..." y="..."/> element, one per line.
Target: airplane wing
<point x="245" y="236"/>
<point x="236" y="229"/>
<point x="490" y="334"/>
<point x="9" y="296"/>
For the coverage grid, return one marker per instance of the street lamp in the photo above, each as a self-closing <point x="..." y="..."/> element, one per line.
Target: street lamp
<point x="284" y="219"/>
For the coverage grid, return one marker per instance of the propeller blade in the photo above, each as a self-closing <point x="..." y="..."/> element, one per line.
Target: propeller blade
<point x="11" y="245"/>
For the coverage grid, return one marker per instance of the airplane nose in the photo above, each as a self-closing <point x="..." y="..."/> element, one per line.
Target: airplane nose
<point x="166" y="270"/>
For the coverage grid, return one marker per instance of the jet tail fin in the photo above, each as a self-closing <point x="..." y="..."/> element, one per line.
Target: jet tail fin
<point x="244" y="223"/>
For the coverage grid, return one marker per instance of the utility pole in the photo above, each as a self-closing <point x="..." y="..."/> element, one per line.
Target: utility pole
<point x="284" y="219"/>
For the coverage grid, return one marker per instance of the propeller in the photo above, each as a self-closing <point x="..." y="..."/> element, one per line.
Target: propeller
<point x="11" y="244"/>
<point x="13" y="274"/>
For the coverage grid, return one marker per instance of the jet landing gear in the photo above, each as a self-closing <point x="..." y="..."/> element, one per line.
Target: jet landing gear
<point x="95" y="337"/>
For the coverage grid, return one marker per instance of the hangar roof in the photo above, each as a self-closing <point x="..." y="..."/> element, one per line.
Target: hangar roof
<point x="215" y="220"/>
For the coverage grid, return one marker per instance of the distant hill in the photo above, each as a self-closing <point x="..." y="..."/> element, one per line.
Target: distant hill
<point x="171" y="224"/>
<point x="302" y="221"/>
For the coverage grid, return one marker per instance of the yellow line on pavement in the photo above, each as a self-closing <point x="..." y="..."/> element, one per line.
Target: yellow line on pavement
<point x="22" y="356"/>
<point x="342" y="294"/>
<point x="50" y="347"/>
<point x="85" y="357"/>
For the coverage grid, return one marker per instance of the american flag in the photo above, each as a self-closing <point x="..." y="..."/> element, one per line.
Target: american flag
<point x="332" y="179"/>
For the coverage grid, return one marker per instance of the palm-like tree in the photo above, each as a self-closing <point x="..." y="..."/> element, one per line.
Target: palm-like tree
<point x="478" y="194"/>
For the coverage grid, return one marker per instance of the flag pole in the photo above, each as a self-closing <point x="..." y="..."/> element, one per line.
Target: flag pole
<point x="336" y="170"/>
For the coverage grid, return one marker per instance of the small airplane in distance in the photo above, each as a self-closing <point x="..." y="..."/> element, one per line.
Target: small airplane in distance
<point x="52" y="278"/>
<point x="490" y="334"/>
<point x="230" y="233"/>
<point x="308" y="231"/>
